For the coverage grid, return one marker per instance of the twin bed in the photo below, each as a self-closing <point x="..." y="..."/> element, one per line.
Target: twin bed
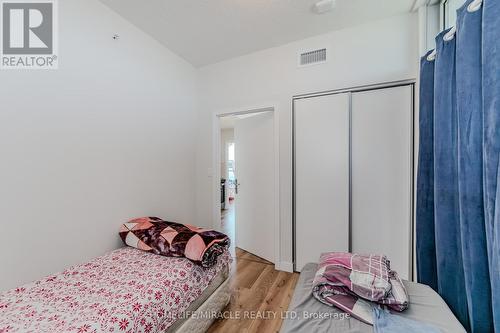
<point x="126" y="290"/>
<point x="312" y="316"/>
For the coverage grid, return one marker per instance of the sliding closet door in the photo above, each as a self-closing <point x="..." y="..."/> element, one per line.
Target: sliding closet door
<point x="381" y="174"/>
<point x="321" y="176"/>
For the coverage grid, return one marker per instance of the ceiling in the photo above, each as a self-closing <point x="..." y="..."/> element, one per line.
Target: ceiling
<point x="209" y="31"/>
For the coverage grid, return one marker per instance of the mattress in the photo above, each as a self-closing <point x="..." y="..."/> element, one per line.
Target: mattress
<point x="200" y="322"/>
<point x="126" y="290"/>
<point x="203" y="300"/>
<point x="312" y="316"/>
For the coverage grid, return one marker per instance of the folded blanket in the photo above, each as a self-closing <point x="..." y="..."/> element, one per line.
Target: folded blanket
<point x="352" y="282"/>
<point x="152" y="234"/>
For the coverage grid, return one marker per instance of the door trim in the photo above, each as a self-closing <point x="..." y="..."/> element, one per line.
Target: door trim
<point x="216" y="149"/>
<point x="350" y="91"/>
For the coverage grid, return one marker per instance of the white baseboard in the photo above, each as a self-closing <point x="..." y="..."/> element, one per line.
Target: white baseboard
<point x="284" y="266"/>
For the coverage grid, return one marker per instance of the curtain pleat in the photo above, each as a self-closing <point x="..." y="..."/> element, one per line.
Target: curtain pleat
<point x="470" y="168"/>
<point x="425" y="239"/>
<point x="491" y="145"/>
<point x="450" y="270"/>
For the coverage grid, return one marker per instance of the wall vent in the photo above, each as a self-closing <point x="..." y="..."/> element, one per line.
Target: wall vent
<point x="312" y="57"/>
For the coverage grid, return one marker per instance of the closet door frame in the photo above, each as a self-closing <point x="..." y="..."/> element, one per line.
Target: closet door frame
<point x="387" y="85"/>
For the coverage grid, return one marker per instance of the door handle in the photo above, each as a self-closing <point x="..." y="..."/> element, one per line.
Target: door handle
<point x="236" y="185"/>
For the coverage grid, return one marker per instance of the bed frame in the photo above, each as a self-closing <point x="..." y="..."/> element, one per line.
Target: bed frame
<point x="215" y="303"/>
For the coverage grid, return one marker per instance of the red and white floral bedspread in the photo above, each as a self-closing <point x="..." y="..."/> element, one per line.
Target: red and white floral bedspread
<point x="126" y="290"/>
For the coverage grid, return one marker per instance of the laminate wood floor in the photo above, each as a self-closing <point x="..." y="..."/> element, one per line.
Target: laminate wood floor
<point x="260" y="294"/>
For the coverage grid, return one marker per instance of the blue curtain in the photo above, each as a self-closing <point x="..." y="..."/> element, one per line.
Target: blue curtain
<point x="450" y="269"/>
<point x="470" y="167"/>
<point x="458" y="229"/>
<point x="426" y="242"/>
<point x="491" y="145"/>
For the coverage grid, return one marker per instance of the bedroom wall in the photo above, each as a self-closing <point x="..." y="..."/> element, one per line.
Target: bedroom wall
<point x="376" y="52"/>
<point x="107" y="137"/>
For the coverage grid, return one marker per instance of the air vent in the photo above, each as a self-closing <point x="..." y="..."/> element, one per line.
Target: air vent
<point x="312" y="57"/>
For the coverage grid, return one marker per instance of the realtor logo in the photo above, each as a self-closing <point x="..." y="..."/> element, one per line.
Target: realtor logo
<point x="29" y="34"/>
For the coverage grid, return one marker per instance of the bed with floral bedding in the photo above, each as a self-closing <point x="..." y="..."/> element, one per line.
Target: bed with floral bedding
<point x="126" y="290"/>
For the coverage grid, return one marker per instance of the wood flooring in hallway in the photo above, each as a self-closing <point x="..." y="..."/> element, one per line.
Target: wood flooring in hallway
<point x="258" y="291"/>
<point x="257" y="288"/>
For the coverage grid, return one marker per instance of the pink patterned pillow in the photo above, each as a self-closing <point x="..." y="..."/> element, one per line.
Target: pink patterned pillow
<point x="152" y="234"/>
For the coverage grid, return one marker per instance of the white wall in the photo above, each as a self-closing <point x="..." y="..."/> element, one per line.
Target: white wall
<point x="107" y="137"/>
<point x="429" y="27"/>
<point x="376" y="52"/>
<point x="451" y="8"/>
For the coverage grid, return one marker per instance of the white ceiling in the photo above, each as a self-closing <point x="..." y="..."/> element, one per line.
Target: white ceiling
<point x="208" y="31"/>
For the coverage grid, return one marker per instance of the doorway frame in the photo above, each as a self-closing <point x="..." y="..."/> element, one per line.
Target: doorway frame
<point x="216" y="172"/>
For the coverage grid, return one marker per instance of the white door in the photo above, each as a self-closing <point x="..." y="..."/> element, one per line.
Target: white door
<point x="321" y="177"/>
<point x="254" y="203"/>
<point x="381" y="174"/>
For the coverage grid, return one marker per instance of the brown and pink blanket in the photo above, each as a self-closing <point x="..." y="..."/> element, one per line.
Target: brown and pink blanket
<point x="356" y="283"/>
<point x="152" y="234"/>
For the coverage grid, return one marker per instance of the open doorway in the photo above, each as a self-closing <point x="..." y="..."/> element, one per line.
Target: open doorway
<point x="247" y="189"/>
<point x="228" y="176"/>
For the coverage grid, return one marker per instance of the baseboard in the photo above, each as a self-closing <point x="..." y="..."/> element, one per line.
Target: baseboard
<point x="285" y="266"/>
